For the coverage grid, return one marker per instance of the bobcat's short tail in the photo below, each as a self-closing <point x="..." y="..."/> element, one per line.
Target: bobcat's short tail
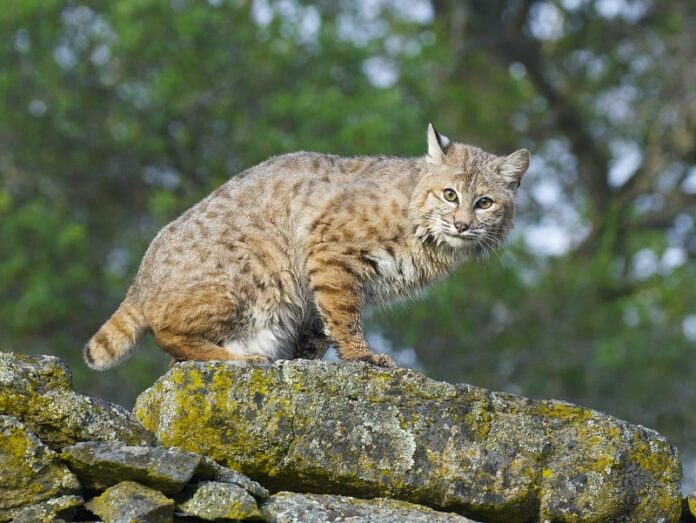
<point x="116" y="339"/>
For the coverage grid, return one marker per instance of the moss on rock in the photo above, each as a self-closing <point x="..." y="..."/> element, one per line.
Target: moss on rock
<point x="360" y="430"/>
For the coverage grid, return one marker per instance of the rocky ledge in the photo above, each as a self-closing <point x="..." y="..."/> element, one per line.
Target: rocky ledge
<point x="311" y="441"/>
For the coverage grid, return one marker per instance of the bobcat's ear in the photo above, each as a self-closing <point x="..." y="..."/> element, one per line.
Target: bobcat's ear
<point x="513" y="166"/>
<point x="438" y="144"/>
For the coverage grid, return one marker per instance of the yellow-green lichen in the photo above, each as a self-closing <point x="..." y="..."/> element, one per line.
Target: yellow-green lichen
<point x="130" y="501"/>
<point x="38" y="391"/>
<point x="563" y="411"/>
<point x="212" y="500"/>
<point x="654" y="461"/>
<point x="30" y="471"/>
<point x="691" y="504"/>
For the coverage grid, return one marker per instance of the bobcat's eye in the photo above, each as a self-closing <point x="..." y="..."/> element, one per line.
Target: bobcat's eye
<point x="450" y="195"/>
<point x="484" y="203"/>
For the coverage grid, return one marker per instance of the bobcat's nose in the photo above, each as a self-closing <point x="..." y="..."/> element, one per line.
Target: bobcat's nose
<point x="461" y="226"/>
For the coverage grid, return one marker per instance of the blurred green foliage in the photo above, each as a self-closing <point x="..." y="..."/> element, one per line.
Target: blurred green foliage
<point x="117" y="116"/>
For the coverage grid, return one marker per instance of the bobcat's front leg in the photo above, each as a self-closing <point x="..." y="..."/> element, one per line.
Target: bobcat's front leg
<point x="337" y="295"/>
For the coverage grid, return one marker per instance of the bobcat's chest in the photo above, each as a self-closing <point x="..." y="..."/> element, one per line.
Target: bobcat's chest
<point x="396" y="276"/>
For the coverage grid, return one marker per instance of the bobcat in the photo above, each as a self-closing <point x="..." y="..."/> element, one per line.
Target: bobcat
<point x="280" y="261"/>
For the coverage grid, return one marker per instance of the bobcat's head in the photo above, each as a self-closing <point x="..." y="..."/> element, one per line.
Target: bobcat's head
<point x="466" y="199"/>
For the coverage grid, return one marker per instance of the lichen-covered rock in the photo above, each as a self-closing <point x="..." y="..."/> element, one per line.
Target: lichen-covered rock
<point x="30" y="472"/>
<point x="53" y="510"/>
<point x="289" y="507"/>
<point x="211" y="470"/>
<point x="689" y="513"/>
<point x="213" y="500"/>
<point x="361" y="430"/>
<point x="38" y="391"/>
<point x="129" y="501"/>
<point x="100" y="465"/>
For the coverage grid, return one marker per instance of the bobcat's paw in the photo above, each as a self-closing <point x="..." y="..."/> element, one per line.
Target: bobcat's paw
<point x="381" y="360"/>
<point x="248" y="359"/>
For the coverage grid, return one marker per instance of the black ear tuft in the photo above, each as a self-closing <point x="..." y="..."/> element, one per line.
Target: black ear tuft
<point x="438" y="145"/>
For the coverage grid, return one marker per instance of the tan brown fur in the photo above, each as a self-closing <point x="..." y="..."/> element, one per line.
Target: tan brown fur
<point x="281" y="260"/>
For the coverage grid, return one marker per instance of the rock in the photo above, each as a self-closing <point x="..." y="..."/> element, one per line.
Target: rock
<point x="101" y="465"/>
<point x="356" y="429"/>
<point x="130" y="501"/>
<point x="289" y="507"/>
<point x="213" y="500"/>
<point x="38" y="391"/>
<point x="30" y="472"/>
<point x="50" y="511"/>
<point x="689" y="508"/>
<point x="209" y="469"/>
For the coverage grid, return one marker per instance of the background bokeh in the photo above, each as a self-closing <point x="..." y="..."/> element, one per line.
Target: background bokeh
<point x="115" y="116"/>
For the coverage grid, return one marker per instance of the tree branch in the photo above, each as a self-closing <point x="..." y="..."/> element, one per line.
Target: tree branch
<point x="593" y="158"/>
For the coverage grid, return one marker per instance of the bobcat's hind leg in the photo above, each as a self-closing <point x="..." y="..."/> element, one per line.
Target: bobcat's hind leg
<point x="190" y="347"/>
<point x="188" y="323"/>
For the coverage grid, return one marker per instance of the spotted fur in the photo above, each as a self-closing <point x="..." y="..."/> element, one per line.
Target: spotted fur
<point x="280" y="261"/>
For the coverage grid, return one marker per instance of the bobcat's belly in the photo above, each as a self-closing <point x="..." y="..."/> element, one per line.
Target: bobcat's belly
<point x="273" y="342"/>
<point x="274" y="323"/>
